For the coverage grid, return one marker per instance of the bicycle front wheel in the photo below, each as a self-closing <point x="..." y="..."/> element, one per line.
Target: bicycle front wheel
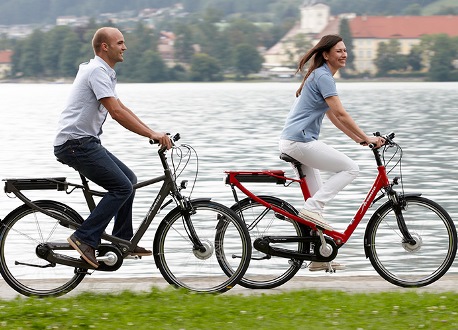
<point x="182" y="265"/>
<point x="266" y="271"/>
<point x="21" y="232"/>
<point x="411" y="265"/>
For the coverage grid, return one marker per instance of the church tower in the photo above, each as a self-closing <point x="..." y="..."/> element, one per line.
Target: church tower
<point x="314" y="17"/>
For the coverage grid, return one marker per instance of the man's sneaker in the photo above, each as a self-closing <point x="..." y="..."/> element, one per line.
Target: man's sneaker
<point x="87" y="252"/>
<point x="317" y="266"/>
<point x="141" y="252"/>
<point x="316" y="218"/>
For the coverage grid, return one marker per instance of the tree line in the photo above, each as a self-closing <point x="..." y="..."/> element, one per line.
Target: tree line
<point x="207" y="48"/>
<point x="203" y="51"/>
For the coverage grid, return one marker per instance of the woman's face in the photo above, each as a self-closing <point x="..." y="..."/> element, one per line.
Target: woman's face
<point x="336" y="58"/>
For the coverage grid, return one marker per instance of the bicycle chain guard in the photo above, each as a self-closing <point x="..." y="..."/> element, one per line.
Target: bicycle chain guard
<point x="263" y="244"/>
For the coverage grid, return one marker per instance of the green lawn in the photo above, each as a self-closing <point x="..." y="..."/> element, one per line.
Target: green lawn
<point x="177" y="309"/>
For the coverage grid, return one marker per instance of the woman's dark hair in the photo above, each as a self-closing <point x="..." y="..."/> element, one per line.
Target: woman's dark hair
<point x="316" y="53"/>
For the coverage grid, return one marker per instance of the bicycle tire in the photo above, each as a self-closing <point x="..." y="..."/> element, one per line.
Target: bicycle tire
<point x="266" y="272"/>
<point x="411" y="265"/>
<point x="183" y="267"/>
<point x="20" y="233"/>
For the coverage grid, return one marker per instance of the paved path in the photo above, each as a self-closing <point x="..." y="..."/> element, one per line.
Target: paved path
<point x="448" y="283"/>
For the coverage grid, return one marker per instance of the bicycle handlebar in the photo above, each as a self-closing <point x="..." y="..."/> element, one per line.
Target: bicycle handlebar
<point x="388" y="139"/>
<point x="174" y="138"/>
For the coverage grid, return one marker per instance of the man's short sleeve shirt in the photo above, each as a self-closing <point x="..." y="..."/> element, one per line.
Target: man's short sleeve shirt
<point x="84" y="115"/>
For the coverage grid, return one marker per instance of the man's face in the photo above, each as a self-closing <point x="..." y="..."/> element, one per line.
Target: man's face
<point x="115" y="48"/>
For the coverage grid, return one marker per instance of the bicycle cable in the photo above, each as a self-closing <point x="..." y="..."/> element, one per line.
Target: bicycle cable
<point x="179" y="168"/>
<point x="398" y="162"/>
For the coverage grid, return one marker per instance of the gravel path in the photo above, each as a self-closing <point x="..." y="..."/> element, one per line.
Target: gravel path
<point x="356" y="284"/>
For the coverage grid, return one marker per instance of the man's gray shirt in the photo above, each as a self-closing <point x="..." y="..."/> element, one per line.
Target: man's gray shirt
<point x="84" y="115"/>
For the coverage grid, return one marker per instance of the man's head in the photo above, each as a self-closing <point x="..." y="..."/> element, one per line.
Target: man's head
<point x="108" y="43"/>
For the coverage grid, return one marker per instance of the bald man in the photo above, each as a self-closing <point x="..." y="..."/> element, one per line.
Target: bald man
<point x="77" y="144"/>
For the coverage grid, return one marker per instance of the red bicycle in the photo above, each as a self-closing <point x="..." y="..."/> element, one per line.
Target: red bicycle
<point x="411" y="241"/>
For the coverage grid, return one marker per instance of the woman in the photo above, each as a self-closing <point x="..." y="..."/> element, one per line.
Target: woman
<point x="316" y="97"/>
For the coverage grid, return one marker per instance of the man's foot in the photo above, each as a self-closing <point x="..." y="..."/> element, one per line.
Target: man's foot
<point x="87" y="252"/>
<point x="141" y="252"/>
<point x="316" y="218"/>
<point x="328" y="266"/>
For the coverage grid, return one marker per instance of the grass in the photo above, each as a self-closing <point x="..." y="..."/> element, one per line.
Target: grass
<point x="178" y="309"/>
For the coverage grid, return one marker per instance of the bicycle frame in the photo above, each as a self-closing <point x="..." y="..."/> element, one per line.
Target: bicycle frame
<point x="235" y="179"/>
<point x="15" y="186"/>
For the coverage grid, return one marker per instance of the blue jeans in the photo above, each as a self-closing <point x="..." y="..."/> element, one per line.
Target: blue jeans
<point x="96" y="163"/>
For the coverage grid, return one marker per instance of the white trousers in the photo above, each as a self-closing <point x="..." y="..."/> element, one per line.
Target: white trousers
<point x="317" y="156"/>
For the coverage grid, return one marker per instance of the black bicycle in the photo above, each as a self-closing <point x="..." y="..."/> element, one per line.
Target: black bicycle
<point x="36" y="260"/>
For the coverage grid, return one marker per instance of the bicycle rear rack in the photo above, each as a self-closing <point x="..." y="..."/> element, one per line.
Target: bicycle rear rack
<point x="14" y="185"/>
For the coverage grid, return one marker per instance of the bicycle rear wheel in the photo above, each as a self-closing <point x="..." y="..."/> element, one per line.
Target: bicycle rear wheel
<point x="21" y="232"/>
<point x="183" y="266"/>
<point x="266" y="271"/>
<point x="411" y="265"/>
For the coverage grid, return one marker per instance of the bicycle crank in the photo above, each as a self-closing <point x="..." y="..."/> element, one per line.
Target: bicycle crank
<point x="110" y="256"/>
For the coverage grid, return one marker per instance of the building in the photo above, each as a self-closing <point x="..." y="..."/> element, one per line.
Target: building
<point x="314" y="19"/>
<point x="5" y="63"/>
<point x="367" y="32"/>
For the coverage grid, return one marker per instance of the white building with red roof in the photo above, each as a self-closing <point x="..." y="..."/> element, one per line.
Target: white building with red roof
<point x="367" y="32"/>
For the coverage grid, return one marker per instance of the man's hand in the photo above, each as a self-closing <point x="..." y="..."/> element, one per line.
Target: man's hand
<point x="163" y="139"/>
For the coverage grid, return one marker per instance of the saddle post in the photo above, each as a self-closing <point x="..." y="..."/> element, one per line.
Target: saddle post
<point x="87" y="194"/>
<point x="297" y="165"/>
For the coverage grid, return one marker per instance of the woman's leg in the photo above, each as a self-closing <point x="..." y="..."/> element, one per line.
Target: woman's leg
<point x="317" y="156"/>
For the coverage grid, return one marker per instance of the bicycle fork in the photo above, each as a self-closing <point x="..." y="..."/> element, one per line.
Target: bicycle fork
<point x="186" y="211"/>
<point x="399" y="205"/>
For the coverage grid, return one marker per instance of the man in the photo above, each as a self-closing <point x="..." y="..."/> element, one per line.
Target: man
<point x="77" y="143"/>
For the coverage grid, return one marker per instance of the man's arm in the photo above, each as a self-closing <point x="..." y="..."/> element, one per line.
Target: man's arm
<point x="125" y="117"/>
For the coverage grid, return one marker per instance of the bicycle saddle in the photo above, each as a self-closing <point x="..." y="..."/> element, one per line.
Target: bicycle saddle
<point x="289" y="159"/>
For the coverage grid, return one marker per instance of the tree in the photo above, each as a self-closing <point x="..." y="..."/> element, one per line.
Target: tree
<point x="183" y="44"/>
<point x="138" y="42"/>
<point x="345" y="32"/>
<point x="247" y="59"/>
<point x="30" y="62"/>
<point x="152" y="68"/>
<point x="68" y="60"/>
<point x="389" y="58"/>
<point x="53" y="41"/>
<point x="205" y="68"/>
<point x="445" y="51"/>
<point x="415" y="58"/>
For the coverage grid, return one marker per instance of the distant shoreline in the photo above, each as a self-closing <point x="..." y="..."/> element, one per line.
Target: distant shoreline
<point x="287" y="80"/>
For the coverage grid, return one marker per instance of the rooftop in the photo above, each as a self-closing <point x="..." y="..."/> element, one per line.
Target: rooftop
<point x="402" y="27"/>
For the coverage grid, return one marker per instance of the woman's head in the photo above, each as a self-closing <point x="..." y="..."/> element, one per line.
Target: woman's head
<point x="330" y="49"/>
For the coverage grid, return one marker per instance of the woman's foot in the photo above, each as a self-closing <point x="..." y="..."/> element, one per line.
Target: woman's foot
<point x="316" y="218"/>
<point x="328" y="266"/>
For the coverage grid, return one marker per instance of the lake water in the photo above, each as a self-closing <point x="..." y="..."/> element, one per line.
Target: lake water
<point x="236" y="126"/>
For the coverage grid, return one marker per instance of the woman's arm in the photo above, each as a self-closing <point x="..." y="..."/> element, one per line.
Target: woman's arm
<point x="343" y="121"/>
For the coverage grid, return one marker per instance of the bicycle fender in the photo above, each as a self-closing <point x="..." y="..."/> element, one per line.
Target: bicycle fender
<point x="202" y="199"/>
<point x="376" y="215"/>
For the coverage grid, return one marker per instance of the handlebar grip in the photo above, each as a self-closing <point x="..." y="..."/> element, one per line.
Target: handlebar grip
<point x="174" y="138"/>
